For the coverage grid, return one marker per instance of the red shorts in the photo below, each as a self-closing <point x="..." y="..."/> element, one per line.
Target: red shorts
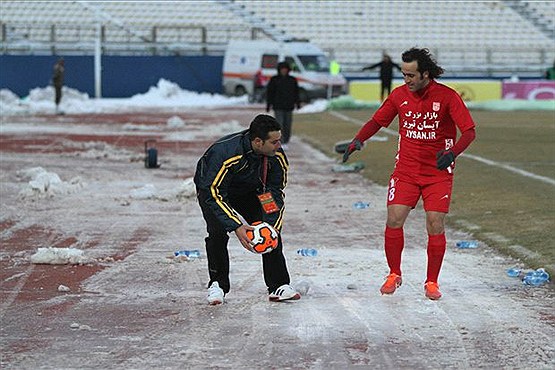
<point x="435" y="193"/>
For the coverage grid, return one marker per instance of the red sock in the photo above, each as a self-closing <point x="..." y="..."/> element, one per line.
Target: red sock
<point x="394" y="243"/>
<point x="436" y="251"/>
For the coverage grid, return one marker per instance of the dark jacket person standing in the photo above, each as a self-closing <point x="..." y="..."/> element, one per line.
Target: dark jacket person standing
<point x="386" y="74"/>
<point x="58" y="82"/>
<point x="283" y="96"/>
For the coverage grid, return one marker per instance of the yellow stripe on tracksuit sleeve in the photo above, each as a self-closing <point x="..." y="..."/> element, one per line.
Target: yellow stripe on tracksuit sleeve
<point x="215" y="188"/>
<point x="285" y="166"/>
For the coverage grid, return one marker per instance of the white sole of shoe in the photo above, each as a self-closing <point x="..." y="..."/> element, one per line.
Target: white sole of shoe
<point x="297" y="296"/>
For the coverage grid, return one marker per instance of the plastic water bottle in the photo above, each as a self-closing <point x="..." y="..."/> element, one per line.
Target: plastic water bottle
<point x="193" y="253"/>
<point x="543" y="274"/>
<point x="307" y="252"/>
<point x="361" y="205"/>
<point x="467" y="244"/>
<point x="536" y="277"/>
<point x="514" y="272"/>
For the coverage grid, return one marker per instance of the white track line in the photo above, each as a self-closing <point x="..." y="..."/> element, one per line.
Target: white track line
<point x="12" y="295"/>
<point x="489" y="162"/>
<point x="509" y="168"/>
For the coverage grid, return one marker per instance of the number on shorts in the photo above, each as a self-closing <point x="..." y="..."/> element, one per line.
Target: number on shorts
<point x="391" y="191"/>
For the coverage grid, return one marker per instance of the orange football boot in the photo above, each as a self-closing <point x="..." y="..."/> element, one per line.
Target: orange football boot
<point x="392" y="282"/>
<point x="432" y="290"/>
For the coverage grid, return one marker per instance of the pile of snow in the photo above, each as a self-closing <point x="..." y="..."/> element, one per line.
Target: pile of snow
<point x="147" y="191"/>
<point x="40" y="95"/>
<point x="172" y="122"/>
<point x="187" y="189"/>
<point x="175" y="122"/>
<point x="10" y="103"/>
<point x="41" y="100"/>
<point x="136" y="127"/>
<point x="184" y="191"/>
<point x="169" y="94"/>
<point x="60" y="256"/>
<point x="43" y="183"/>
<point x="165" y="94"/>
<point x="8" y="97"/>
<point x="316" y="106"/>
<point x="98" y="150"/>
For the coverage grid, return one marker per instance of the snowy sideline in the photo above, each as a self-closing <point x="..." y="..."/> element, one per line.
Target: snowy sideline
<point x="135" y="305"/>
<point x="168" y="95"/>
<point x="165" y="94"/>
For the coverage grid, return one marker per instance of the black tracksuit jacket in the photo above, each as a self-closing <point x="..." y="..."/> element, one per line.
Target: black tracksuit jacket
<point x="282" y="93"/>
<point x="230" y="169"/>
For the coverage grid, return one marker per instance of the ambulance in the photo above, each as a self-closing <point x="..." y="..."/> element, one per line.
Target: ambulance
<point x="249" y="65"/>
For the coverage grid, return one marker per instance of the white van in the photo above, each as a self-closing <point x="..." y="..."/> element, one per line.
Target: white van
<point x="247" y="61"/>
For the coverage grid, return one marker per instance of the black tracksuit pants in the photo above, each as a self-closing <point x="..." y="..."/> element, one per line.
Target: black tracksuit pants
<point x="248" y="206"/>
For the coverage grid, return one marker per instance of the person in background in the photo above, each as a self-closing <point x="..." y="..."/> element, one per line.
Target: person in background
<point x="550" y="73"/>
<point x="259" y="87"/>
<point x="58" y="82"/>
<point x="282" y="94"/>
<point x="386" y="74"/>
<point x="232" y="178"/>
<point x="429" y="115"/>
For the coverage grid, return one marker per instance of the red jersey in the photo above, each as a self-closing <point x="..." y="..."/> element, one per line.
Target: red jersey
<point x="428" y="121"/>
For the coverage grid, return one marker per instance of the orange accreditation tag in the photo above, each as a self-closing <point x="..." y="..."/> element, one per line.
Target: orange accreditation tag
<point x="268" y="203"/>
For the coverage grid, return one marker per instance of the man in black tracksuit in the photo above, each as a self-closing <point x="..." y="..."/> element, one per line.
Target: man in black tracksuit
<point x="282" y="95"/>
<point x="229" y="177"/>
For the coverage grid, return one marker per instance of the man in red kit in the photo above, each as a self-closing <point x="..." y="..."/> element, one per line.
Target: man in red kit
<point x="429" y="115"/>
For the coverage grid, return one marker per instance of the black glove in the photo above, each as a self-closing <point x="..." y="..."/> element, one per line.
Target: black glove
<point x="298" y="105"/>
<point x="354" y="145"/>
<point x="268" y="107"/>
<point x="444" y="159"/>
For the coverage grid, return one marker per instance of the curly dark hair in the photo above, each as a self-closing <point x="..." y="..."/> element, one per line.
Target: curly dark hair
<point x="261" y="125"/>
<point x="426" y="61"/>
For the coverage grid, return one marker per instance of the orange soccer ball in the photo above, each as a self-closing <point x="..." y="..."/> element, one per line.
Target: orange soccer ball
<point x="264" y="237"/>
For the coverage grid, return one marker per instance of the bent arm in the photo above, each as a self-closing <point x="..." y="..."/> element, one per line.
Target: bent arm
<point x="369" y="129"/>
<point x="217" y="174"/>
<point x="464" y="141"/>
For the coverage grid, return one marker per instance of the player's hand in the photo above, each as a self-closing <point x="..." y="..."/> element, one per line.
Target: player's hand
<point x="354" y="145"/>
<point x="268" y="107"/>
<point x="298" y="106"/>
<point x="444" y="159"/>
<point x="241" y="233"/>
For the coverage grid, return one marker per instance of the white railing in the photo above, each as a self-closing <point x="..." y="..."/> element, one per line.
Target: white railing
<point x="79" y="39"/>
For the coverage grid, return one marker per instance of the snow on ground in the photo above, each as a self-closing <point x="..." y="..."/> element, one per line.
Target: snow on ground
<point x="165" y="95"/>
<point x="59" y="256"/>
<point x="139" y="309"/>
<point x="44" y="183"/>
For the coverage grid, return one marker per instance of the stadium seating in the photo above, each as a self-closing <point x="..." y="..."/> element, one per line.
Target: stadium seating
<point x="467" y="33"/>
<point x="463" y="35"/>
<point x="124" y="22"/>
